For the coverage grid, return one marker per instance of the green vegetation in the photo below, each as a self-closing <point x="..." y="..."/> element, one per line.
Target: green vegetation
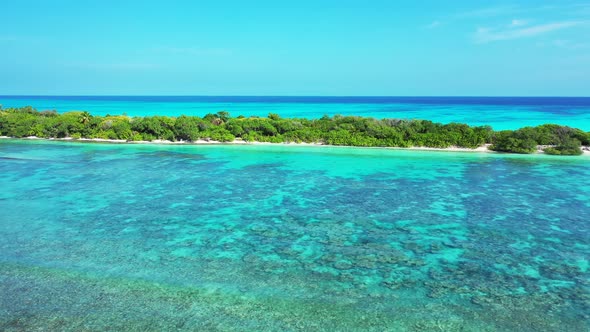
<point x="337" y="130"/>
<point x="562" y="140"/>
<point x="570" y="146"/>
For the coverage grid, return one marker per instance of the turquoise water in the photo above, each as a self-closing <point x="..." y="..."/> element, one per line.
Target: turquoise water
<point x="498" y="112"/>
<point x="283" y="238"/>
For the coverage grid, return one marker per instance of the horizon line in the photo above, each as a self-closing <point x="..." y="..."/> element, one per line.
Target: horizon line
<point x="296" y="96"/>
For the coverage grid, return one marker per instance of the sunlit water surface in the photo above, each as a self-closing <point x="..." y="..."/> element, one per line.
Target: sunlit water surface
<point x="283" y="238"/>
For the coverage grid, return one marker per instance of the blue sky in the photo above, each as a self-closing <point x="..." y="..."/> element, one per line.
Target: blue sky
<point x="536" y="48"/>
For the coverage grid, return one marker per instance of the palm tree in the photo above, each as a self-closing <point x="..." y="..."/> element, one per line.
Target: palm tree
<point x="85" y="117"/>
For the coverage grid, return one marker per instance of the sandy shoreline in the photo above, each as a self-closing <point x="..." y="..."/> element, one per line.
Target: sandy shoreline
<point x="481" y="149"/>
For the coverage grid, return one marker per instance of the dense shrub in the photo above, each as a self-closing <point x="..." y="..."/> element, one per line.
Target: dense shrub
<point x="514" y="141"/>
<point x="336" y="130"/>
<point x="568" y="146"/>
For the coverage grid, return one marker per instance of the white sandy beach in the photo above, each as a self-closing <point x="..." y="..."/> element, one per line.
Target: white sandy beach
<point x="482" y="149"/>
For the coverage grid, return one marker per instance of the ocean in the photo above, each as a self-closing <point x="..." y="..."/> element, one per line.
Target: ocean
<point x="498" y="112"/>
<point x="124" y="237"/>
<point x="147" y="237"/>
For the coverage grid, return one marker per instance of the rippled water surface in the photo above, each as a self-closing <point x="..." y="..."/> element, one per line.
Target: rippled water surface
<point x="283" y="238"/>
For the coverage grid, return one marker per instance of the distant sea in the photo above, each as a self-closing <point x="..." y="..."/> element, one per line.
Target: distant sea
<point x="498" y="112"/>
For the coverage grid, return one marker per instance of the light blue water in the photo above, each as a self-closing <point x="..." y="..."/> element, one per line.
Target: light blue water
<point x="282" y="238"/>
<point x="500" y="113"/>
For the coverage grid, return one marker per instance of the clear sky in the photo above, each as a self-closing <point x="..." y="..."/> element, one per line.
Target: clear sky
<point x="304" y="47"/>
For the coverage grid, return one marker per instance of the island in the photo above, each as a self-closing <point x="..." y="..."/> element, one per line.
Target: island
<point x="335" y="130"/>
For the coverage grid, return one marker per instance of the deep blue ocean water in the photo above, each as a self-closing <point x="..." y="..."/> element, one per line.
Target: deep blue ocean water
<point x="499" y="112"/>
<point x="109" y="237"/>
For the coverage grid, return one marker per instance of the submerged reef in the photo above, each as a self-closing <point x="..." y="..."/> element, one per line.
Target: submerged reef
<point x="93" y="238"/>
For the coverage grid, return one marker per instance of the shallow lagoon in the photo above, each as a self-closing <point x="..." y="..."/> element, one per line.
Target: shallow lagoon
<point x="148" y="237"/>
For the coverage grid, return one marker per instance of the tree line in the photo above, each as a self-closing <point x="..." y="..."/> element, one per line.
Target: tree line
<point x="336" y="130"/>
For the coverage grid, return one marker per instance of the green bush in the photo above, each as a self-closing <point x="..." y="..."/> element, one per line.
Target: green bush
<point x="336" y="130"/>
<point x="513" y="141"/>
<point x="569" y="146"/>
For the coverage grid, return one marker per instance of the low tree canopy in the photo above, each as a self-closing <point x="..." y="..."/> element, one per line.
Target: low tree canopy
<point x="336" y="130"/>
